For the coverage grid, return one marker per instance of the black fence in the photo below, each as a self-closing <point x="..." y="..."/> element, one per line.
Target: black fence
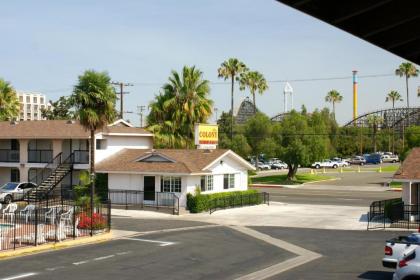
<point x="393" y="213"/>
<point x="130" y="199"/>
<point x="24" y="224"/>
<point x="239" y="201"/>
<point x="40" y="156"/>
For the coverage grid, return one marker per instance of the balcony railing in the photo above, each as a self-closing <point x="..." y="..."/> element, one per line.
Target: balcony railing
<point x="9" y="155"/>
<point x="40" y="156"/>
<point x="81" y="156"/>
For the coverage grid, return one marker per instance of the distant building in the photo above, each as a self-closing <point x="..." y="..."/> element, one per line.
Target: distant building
<point x="31" y="104"/>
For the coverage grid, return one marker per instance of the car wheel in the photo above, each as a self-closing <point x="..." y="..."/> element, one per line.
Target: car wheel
<point x="361" y="164"/>
<point x="335" y="166"/>
<point x="317" y="166"/>
<point x="7" y="199"/>
<point x="394" y="161"/>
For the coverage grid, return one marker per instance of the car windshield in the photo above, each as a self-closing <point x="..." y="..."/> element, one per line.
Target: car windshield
<point x="9" y="186"/>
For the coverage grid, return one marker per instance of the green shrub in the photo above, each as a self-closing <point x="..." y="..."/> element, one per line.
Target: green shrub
<point x="199" y="202"/>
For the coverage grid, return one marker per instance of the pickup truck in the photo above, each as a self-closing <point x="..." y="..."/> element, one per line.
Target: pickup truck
<point x="325" y="163"/>
<point x="390" y="158"/>
<point x="396" y="247"/>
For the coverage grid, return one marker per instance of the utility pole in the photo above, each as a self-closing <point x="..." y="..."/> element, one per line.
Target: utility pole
<point x="140" y="110"/>
<point x="122" y="85"/>
<point x="215" y="111"/>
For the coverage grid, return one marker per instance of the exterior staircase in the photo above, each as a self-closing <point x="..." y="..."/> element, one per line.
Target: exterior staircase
<point x="50" y="176"/>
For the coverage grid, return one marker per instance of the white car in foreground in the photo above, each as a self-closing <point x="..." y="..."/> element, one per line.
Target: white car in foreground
<point x="325" y="164"/>
<point x="408" y="266"/>
<point x="396" y="247"/>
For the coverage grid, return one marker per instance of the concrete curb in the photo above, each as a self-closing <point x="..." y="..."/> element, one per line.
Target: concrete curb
<point x="55" y="246"/>
<point x="290" y="186"/>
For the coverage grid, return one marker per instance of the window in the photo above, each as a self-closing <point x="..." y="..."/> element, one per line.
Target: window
<point x="35" y="99"/>
<point x="207" y="183"/>
<point x="20" y="98"/>
<point x="28" y="99"/>
<point x="14" y="175"/>
<point x="100" y="144"/>
<point x="41" y="100"/>
<point x="229" y="181"/>
<point x="171" y="184"/>
<point x="28" y="107"/>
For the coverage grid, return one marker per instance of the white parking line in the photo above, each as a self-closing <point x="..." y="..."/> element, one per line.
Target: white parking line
<point x="123" y="253"/>
<point x="20" y="276"/>
<point x="103" y="258"/>
<point x="162" y="243"/>
<point x="81" y="262"/>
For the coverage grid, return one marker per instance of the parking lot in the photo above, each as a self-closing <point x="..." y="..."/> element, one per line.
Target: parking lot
<point x="181" y="251"/>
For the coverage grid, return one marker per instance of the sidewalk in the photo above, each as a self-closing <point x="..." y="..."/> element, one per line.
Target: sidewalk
<point x="277" y="214"/>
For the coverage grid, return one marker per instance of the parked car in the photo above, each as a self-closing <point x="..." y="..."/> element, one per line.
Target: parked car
<point x="374" y="159"/>
<point x="279" y="165"/>
<point x="396" y="247"/>
<point x="14" y="191"/>
<point x="390" y="158"/>
<point x="341" y="162"/>
<point x="408" y="266"/>
<point x="263" y="166"/>
<point x="358" y="160"/>
<point x="325" y="163"/>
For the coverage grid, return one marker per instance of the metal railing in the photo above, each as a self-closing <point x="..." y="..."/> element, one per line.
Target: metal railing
<point x="55" y="221"/>
<point x="40" y="156"/>
<point x="238" y="200"/>
<point x="81" y="156"/>
<point x="45" y="172"/>
<point x="9" y="155"/>
<point x="131" y="199"/>
<point x="393" y="213"/>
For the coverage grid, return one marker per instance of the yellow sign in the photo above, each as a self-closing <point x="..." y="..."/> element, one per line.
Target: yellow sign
<point x="206" y="134"/>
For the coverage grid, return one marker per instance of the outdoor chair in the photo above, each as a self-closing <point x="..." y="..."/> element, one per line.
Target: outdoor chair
<point x="27" y="212"/>
<point x="67" y="217"/>
<point x="58" y="234"/>
<point x="9" y="211"/>
<point x="51" y="214"/>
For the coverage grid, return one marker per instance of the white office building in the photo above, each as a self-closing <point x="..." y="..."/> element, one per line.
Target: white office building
<point x="31" y="104"/>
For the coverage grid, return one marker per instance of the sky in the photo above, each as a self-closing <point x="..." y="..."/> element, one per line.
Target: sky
<point x="46" y="45"/>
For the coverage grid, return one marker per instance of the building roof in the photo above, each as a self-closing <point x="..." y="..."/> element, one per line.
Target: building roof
<point x="391" y="24"/>
<point x="57" y="129"/>
<point x="410" y="168"/>
<point x="179" y="161"/>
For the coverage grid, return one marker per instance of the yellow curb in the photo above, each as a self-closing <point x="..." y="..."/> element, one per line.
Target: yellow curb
<point x="55" y="246"/>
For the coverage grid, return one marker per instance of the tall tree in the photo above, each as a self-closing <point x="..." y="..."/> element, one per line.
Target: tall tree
<point x="183" y="102"/>
<point x="301" y="140"/>
<point x="94" y="101"/>
<point x="407" y="70"/>
<point x="255" y="82"/>
<point x="9" y="103"/>
<point x="61" y="110"/>
<point x="393" y="96"/>
<point x="333" y="96"/>
<point x="374" y="122"/>
<point x="231" y="69"/>
<point x="257" y="129"/>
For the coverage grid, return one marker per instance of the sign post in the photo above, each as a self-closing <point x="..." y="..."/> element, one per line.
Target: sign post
<point x="206" y="136"/>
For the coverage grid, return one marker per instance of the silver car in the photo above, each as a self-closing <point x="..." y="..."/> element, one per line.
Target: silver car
<point x="408" y="266"/>
<point x="14" y="191"/>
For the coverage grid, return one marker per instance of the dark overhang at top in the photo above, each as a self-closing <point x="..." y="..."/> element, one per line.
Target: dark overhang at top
<point x="393" y="25"/>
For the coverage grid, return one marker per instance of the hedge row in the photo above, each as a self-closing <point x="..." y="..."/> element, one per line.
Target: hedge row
<point x="203" y="202"/>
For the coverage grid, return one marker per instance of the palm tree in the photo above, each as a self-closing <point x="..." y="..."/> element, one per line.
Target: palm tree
<point x="407" y="70"/>
<point x="393" y="96"/>
<point x="9" y="103"/>
<point x="374" y="121"/>
<point x="183" y="102"/>
<point x="94" y="100"/>
<point x="255" y="81"/>
<point x="231" y="68"/>
<point x="333" y="96"/>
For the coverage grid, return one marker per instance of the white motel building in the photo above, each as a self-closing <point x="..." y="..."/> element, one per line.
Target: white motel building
<point x="123" y="152"/>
